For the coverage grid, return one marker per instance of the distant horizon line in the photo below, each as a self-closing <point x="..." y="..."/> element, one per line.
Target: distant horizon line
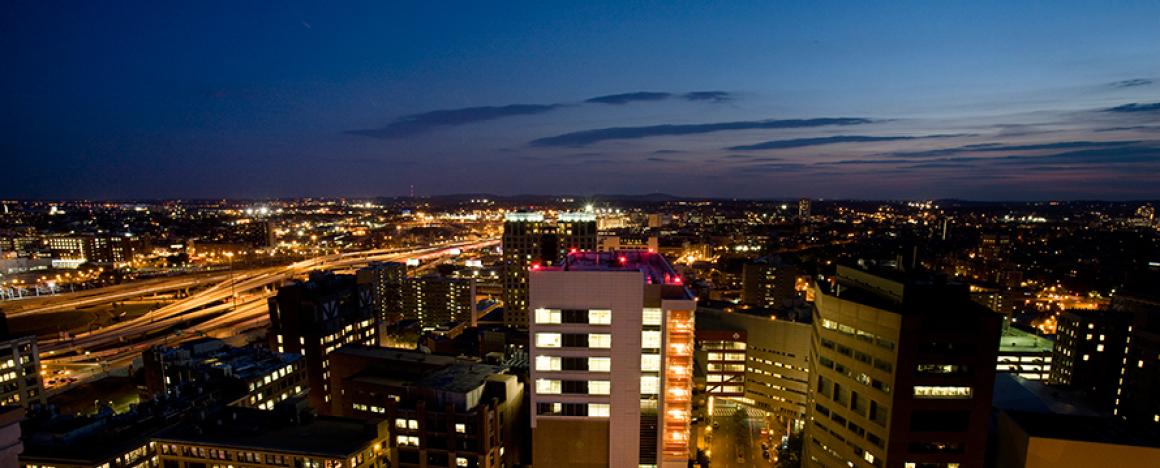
<point x="653" y="197"/>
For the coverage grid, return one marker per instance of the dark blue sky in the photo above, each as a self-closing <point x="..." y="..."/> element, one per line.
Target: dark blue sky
<point x="979" y="100"/>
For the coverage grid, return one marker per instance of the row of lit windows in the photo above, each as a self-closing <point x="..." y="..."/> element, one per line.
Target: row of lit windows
<point x="553" y="363"/>
<point x="555" y="340"/>
<point x="868" y="337"/>
<point x="554" y="386"/>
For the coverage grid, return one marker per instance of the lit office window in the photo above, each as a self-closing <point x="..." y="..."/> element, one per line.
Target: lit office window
<point x="547" y="386"/>
<point x="650" y="339"/>
<point x="549" y="316"/>
<point x="599" y="364"/>
<point x="599" y="340"/>
<point x="650" y="362"/>
<point x="460" y="461"/>
<point x="650" y="385"/>
<point x="600" y="317"/>
<point x="547" y="363"/>
<point x="599" y="387"/>
<point x="461" y="428"/>
<point x="651" y="316"/>
<point x="955" y="393"/>
<point x="598" y="410"/>
<point x="547" y="340"/>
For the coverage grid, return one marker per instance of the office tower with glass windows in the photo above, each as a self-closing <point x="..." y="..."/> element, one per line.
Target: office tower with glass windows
<point x="902" y="370"/>
<point x="612" y="356"/>
<point x="531" y="240"/>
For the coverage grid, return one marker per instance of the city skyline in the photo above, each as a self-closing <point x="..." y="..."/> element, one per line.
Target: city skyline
<point x="915" y="101"/>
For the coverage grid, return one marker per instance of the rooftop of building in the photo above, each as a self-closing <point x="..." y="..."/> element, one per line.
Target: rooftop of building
<point x="1016" y="340"/>
<point x="653" y="265"/>
<point x="1099" y="429"/>
<point x="320" y="284"/>
<point x="899" y="291"/>
<point x="402" y="356"/>
<point x="537" y="216"/>
<point x="458" y="378"/>
<point x="1016" y="393"/>
<point x="50" y="436"/>
<point x="276" y="431"/>
<point x="242" y="362"/>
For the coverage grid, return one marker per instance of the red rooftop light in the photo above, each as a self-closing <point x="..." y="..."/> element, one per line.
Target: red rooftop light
<point x="535" y="266"/>
<point x="623" y="259"/>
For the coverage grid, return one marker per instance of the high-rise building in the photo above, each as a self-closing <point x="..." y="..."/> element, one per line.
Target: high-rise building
<point x="523" y="234"/>
<point x="20" y="383"/>
<point x="902" y="372"/>
<point x="768" y="282"/>
<point x="530" y="240"/>
<point x="995" y="246"/>
<point x="436" y="300"/>
<point x="612" y="358"/>
<point x="442" y="411"/>
<point x="1088" y="353"/>
<point x="774" y="359"/>
<point x="386" y="282"/>
<point x="575" y="232"/>
<point x="1136" y="400"/>
<point x="804" y="208"/>
<point x="316" y="317"/>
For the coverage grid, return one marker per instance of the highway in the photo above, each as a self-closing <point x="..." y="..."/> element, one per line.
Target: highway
<point x="228" y="303"/>
<point x="32" y="305"/>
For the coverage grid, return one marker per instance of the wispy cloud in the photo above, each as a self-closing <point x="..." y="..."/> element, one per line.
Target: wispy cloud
<point x="715" y="96"/>
<point x="999" y="147"/>
<point x="1136" y="107"/>
<point x="625" y="98"/>
<point x="646" y="96"/>
<point x="586" y="137"/>
<point x="1132" y="83"/>
<point x="819" y="141"/>
<point x="415" y="124"/>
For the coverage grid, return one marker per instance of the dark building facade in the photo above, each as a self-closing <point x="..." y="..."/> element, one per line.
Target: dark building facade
<point x="441" y="411"/>
<point x="316" y="317"/>
<point x="1089" y="353"/>
<point x="385" y="280"/>
<point x="436" y="300"/>
<point x="769" y="283"/>
<point x="902" y="371"/>
<point x="530" y="241"/>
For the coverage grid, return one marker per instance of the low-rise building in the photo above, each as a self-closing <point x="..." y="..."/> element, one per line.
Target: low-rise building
<point x="443" y="411"/>
<point x="263" y="378"/>
<point x="255" y="438"/>
<point x="1024" y="354"/>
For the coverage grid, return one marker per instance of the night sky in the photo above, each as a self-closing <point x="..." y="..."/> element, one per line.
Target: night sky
<point x="207" y="99"/>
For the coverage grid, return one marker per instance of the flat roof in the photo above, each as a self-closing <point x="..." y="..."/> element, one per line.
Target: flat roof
<point x="1016" y="340"/>
<point x="254" y="429"/>
<point x="458" y="378"/>
<point x="656" y="269"/>
<point x="1098" y="429"/>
